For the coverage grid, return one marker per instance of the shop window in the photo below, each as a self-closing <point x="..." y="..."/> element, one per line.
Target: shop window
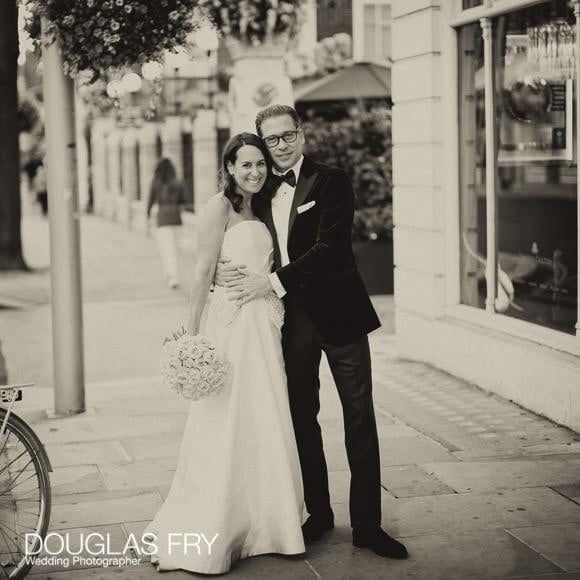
<point x="535" y="181"/>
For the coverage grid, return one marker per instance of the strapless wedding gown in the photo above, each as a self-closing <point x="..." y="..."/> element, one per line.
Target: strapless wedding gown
<point x="238" y="473"/>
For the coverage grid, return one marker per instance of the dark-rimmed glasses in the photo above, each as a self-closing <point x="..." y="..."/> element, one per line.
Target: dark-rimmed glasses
<point x="287" y="136"/>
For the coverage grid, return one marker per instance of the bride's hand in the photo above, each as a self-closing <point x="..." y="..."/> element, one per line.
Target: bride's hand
<point x="250" y="287"/>
<point x="226" y="272"/>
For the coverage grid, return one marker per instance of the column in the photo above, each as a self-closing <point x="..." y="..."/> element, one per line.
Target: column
<point x="113" y="173"/>
<point x="147" y="139"/>
<point x="205" y="158"/>
<point x="129" y="174"/>
<point x="171" y="139"/>
<point x="99" y="130"/>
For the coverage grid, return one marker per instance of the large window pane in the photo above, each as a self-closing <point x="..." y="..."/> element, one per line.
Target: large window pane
<point x="537" y="172"/>
<point x="472" y="165"/>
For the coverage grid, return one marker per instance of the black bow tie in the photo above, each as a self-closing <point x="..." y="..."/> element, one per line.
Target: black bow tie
<point x="288" y="177"/>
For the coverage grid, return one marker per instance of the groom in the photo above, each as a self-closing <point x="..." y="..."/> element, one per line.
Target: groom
<point x="327" y="308"/>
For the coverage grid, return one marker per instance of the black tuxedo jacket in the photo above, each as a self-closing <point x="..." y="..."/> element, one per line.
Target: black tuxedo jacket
<point x="322" y="273"/>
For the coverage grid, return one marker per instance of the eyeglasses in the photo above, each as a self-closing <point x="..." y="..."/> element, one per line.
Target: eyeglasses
<point x="287" y="136"/>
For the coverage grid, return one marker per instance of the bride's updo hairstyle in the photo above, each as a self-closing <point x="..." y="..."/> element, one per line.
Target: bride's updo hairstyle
<point x="228" y="183"/>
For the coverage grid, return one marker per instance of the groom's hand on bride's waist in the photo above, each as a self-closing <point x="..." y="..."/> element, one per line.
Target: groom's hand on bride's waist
<point x="228" y="271"/>
<point x="248" y="287"/>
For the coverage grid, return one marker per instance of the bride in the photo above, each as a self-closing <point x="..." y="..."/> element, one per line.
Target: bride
<point x="237" y="490"/>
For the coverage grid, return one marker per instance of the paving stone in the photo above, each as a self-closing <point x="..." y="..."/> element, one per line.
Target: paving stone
<point x="268" y="566"/>
<point x="333" y="429"/>
<point x="483" y="476"/>
<point x="76" y="479"/>
<point x="95" y="496"/>
<point x="466" y="512"/>
<point x="394" y="451"/>
<point x="141" y="572"/>
<point x="94" y="452"/>
<point x="273" y="566"/>
<point x="339" y="485"/>
<point x="570" y="491"/>
<point x="411" y="481"/>
<point x="164" y="402"/>
<point x="115" y="510"/>
<point x="558" y="543"/>
<point x="554" y="576"/>
<point x="556" y="448"/>
<point x="153" y="446"/>
<point x="132" y="475"/>
<point x="436" y="557"/>
<point x="101" y="428"/>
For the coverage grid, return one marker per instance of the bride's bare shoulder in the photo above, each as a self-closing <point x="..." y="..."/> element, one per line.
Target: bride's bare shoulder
<point x="220" y="197"/>
<point x="216" y="207"/>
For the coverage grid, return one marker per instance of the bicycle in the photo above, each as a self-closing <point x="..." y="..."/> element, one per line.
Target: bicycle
<point x="25" y="494"/>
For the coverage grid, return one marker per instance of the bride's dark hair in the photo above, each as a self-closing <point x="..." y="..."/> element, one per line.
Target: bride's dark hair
<point x="230" y="155"/>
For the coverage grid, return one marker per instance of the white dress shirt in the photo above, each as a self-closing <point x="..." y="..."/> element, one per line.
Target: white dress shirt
<point x="281" y="206"/>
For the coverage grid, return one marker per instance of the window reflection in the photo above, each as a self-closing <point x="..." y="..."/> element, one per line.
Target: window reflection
<point x="536" y="186"/>
<point x="534" y="63"/>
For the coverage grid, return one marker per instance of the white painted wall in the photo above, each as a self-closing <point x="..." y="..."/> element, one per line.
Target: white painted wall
<point x="534" y="367"/>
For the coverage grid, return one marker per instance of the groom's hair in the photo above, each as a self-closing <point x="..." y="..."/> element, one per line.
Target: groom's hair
<point x="276" y="111"/>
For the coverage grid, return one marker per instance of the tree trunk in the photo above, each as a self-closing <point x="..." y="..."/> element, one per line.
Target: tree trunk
<point x="10" y="210"/>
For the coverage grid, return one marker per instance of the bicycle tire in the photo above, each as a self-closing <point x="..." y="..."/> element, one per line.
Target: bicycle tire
<point x="34" y="449"/>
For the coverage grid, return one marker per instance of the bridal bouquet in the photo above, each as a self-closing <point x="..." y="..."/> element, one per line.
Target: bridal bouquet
<point x="193" y="366"/>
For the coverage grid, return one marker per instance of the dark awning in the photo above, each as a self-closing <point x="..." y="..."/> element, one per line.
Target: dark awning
<point x="360" y="80"/>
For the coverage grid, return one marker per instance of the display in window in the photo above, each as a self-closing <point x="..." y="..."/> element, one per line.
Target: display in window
<point x="537" y="124"/>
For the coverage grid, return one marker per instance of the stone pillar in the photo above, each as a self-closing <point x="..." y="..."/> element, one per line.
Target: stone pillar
<point x="259" y="80"/>
<point x="129" y="173"/>
<point x="205" y="158"/>
<point x="147" y="138"/>
<point x="171" y="140"/>
<point x="113" y="173"/>
<point x="99" y="129"/>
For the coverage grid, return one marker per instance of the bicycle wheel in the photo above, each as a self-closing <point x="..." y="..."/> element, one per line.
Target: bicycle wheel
<point x="25" y="496"/>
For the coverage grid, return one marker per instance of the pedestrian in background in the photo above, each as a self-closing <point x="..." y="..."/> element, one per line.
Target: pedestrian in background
<point x="36" y="173"/>
<point x="167" y="192"/>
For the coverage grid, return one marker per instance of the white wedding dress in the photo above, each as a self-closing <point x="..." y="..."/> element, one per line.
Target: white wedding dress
<point x="238" y="473"/>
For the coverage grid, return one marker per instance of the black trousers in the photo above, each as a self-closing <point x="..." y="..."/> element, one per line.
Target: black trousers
<point x="351" y="370"/>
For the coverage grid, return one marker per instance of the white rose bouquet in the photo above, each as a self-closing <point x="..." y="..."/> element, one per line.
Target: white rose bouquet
<point x="193" y="366"/>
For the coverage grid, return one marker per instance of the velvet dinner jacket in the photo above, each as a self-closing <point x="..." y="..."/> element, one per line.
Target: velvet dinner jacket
<point x="322" y="273"/>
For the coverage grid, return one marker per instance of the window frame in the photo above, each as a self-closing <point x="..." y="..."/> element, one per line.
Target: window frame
<point x="454" y="310"/>
<point x="358" y="7"/>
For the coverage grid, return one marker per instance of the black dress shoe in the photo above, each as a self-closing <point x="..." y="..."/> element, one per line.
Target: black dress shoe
<point x="380" y="543"/>
<point x="315" y="527"/>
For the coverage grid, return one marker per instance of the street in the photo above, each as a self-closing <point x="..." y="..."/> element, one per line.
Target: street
<point x="475" y="486"/>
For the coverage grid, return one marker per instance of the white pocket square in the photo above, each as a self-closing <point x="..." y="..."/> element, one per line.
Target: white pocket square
<point x="305" y="207"/>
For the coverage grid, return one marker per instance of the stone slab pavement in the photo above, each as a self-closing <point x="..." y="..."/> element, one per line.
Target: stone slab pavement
<point x="475" y="486"/>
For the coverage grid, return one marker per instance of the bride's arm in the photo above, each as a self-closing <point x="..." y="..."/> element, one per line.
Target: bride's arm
<point x="211" y="225"/>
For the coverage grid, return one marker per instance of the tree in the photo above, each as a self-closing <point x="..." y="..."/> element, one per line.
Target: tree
<point x="10" y="211"/>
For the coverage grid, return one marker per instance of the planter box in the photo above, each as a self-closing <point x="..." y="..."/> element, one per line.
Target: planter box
<point x="375" y="264"/>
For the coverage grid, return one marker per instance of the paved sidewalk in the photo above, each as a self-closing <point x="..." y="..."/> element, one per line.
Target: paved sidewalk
<point x="475" y="486"/>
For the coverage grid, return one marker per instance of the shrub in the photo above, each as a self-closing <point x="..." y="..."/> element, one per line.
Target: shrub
<point x="361" y="145"/>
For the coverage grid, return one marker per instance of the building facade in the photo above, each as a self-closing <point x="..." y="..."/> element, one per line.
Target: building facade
<point x="485" y="135"/>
